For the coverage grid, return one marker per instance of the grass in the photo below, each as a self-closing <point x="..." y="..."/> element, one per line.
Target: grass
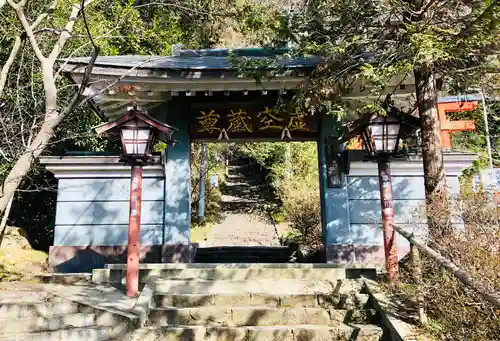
<point x="200" y="232"/>
<point x="16" y="264"/>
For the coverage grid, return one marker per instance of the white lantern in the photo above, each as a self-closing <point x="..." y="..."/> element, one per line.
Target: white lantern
<point x="138" y="131"/>
<point x="137" y="137"/>
<point x="381" y="135"/>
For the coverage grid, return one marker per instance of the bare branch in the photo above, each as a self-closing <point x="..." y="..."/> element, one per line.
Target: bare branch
<point x="66" y="32"/>
<point x="18" y="41"/>
<point x="171" y="5"/>
<point x="45" y="14"/>
<point x="4" y="156"/>
<point x="6" y="68"/>
<point x="19" y="8"/>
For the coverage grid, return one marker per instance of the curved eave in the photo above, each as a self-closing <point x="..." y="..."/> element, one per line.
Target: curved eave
<point x="96" y="166"/>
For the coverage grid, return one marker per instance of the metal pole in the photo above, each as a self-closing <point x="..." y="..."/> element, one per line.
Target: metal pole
<point x="387" y="205"/>
<point x="203" y="181"/>
<point x="134" y="232"/>
<point x="487" y="130"/>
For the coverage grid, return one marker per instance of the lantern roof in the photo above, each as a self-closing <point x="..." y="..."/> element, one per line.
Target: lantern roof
<point x="409" y="123"/>
<point x="111" y="128"/>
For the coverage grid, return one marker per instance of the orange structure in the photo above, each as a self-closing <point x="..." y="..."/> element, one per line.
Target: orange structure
<point x="447" y="126"/>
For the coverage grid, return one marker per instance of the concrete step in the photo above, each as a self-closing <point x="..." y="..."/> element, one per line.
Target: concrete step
<point x="40" y="324"/>
<point x="329" y="301"/>
<point x="229" y="287"/>
<point x="73" y="334"/>
<point x="259" y="333"/>
<point x="256" y="316"/>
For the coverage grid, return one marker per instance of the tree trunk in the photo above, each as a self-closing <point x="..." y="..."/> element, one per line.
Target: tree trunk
<point x="3" y="224"/>
<point x="434" y="173"/>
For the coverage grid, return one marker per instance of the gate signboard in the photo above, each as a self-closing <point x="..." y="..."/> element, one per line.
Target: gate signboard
<point x="251" y="123"/>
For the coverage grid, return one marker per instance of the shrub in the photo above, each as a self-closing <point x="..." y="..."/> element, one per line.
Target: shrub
<point x="303" y="212"/>
<point x="455" y="311"/>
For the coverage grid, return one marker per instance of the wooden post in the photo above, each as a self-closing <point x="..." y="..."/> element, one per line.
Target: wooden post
<point x="203" y="181"/>
<point x="416" y="265"/>
<point x="134" y="232"/>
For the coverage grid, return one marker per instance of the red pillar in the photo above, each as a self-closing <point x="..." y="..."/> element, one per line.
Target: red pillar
<point x="134" y="232"/>
<point x="387" y="205"/>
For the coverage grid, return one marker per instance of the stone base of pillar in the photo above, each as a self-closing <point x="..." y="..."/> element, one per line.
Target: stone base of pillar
<point x="86" y="258"/>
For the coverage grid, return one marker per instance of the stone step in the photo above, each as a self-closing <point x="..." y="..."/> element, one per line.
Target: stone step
<point x="26" y="297"/>
<point x="246" y="254"/>
<point x="239" y="161"/>
<point x="66" y="278"/>
<point x="244" y="206"/>
<point x="261" y="333"/>
<point x="40" y="324"/>
<point x="256" y="316"/>
<point x="72" y="334"/>
<point x="329" y="301"/>
<point x="14" y="310"/>
<point x="236" y="266"/>
<point x="229" y="287"/>
<point x="118" y="276"/>
<point x="223" y="271"/>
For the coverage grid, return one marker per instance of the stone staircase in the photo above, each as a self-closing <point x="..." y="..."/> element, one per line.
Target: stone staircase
<point x="246" y="221"/>
<point x="241" y="192"/>
<point x="33" y="316"/>
<point x="251" y="302"/>
<point x="243" y="254"/>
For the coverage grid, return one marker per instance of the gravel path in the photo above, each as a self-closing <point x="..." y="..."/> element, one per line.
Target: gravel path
<point x="242" y="229"/>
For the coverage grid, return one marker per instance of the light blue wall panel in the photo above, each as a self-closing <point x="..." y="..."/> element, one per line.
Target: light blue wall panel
<point x="410" y="187"/>
<point x="367" y="187"/>
<point x="369" y="211"/>
<point x="371" y="234"/>
<point x="453" y="183"/>
<point x="178" y="178"/>
<point x="334" y="204"/>
<point x="71" y="235"/>
<point x="107" y="189"/>
<point x="105" y="212"/>
<point x="337" y="217"/>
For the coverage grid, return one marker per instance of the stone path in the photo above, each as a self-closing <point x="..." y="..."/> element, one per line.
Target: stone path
<point x="242" y="229"/>
<point x="245" y="223"/>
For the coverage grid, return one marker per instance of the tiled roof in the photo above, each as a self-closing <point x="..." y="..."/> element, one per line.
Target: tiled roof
<point x="201" y="60"/>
